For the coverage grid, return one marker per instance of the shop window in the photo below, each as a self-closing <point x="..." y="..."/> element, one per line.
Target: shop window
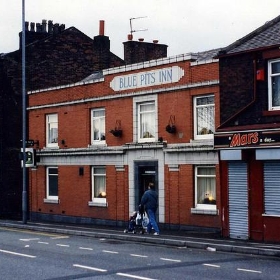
<point x="205" y="188"/>
<point x="204" y="117"/>
<point x="98" y="126"/>
<point x="52" y="130"/>
<point x="52" y="184"/>
<point x="98" y="192"/>
<point x="274" y="85"/>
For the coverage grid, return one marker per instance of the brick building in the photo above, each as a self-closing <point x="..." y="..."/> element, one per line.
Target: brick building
<point x="54" y="56"/>
<point x="248" y="138"/>
<point x="101" y="140"/>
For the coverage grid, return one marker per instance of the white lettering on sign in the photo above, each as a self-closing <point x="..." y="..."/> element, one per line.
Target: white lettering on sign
<point x="146" y="79"/>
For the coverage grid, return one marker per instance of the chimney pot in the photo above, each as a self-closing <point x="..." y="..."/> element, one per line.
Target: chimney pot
<point x="32" y="26"/>
<point x="44" y="26"/>
<point x="38" y="27"/>
<point x="101" y="27"/>
<point x="26" y="25"/>
<point x="129" y="37"/>
<point x="50" y="26"/>
<point x="141" y="39"/>
<point x="56" y="28"/>
<point x="155" y="41"/>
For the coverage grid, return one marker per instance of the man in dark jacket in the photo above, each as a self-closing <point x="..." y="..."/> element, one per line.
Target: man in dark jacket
<point x="149" y="200"/>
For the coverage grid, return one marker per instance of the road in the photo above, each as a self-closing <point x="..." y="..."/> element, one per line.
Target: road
<point x="27" y="255"/>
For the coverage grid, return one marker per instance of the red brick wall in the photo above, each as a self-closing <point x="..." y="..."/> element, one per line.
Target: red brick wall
<point x="179" y="199"/>
<point x="75" y="192"/>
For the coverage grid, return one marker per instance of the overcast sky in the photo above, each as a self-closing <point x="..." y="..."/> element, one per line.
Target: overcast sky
<point x="184" y="25"/>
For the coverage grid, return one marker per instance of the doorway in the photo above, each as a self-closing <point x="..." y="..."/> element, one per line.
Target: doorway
<point x="144" y="172"/>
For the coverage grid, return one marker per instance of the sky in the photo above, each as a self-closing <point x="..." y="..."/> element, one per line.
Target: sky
<point x="184" y="25"/>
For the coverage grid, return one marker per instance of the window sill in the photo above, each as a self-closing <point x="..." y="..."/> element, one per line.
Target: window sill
<point x="98" y="204"/>
<point x="53" y="201"/>
<point x="271" y="113"/>
<point x="146" y="140"/>
<point x="204" y="211"/>
<point x="97" y="144"/>
<point x="52" y="147"/>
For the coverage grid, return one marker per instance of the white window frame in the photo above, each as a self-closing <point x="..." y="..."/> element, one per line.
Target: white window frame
<point x="271" y="75"/>
<point x="202" y="205"/>
<point x="137" y="103"/>
<point x="51" y="198"/>
<point x="51" y="123"/>
<point x="98" y="201"/>
<point x="208" y="132"/>
<point x="100" y="120"/>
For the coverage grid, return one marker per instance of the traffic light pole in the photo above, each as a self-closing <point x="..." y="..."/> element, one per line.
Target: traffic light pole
<point x="24" y="188"/>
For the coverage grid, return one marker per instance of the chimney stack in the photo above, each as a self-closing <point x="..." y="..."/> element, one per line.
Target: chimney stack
<point x="41" y="31"/>
<point x="140" y="51"/>
<point x="101" y="45"/>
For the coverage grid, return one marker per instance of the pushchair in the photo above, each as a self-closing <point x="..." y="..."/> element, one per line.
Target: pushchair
<point x="138" y="221"/>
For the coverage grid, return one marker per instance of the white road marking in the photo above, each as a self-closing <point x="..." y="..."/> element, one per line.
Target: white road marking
<point x="249" y="270"/>
<point x="60" y="237"/>
<point x="29" y="239"/>
<point x="134" y="276"/>
<point x="212" y="265"/>
<point x="90" y="267"/>
<point x="83" y="248"/>
<point x="17" y="254"/>
<point x="41" y="242"/>
<point x="62" y="245"/>
<point x="170" y="260"/>
<point x="139" y="256"/>
<point x="111" y="252"/>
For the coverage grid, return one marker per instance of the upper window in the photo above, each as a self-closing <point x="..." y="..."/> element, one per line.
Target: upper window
<point x="98" y="186"/>
<point x="52" y="183"/>
<point x="52" y="130"/>
<point x="274" y="85"/>
<point x="146" y="121"/>
<point x="98" y="126"/>
<point x="204" y="117"/>
<point x="205" y="183"/>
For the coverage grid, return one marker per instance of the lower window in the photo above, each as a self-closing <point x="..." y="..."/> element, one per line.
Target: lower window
<point x="52" y="184"/>
<point x="205" y="189"/>
<point x="98" y="189"/>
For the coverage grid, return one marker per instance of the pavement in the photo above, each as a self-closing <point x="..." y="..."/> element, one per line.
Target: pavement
<point x="209" y="241"/>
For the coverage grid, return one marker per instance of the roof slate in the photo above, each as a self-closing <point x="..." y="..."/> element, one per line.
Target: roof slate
<point x="265" y="36"/>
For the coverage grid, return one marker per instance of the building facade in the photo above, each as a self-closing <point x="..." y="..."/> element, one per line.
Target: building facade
<point x="103" y="139"/>
<point x="54" y="56"/>
<point x="249" y="135"/>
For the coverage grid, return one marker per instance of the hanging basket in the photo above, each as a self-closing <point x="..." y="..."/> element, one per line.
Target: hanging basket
<point x="171" y="128"/>
<point x="116" y="132"/>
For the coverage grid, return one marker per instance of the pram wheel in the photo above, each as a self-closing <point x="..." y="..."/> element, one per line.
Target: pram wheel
<point x="125" y="231"/>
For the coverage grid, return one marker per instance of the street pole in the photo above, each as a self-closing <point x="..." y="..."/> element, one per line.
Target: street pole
<point x="24" y="191"/>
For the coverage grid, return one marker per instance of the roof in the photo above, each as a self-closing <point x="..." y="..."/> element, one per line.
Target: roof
<point x="267" y="35"/>
<point x="207" y="55"/>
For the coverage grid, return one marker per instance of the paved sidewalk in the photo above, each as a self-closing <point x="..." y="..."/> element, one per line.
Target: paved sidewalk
<point x="198" y="240"/>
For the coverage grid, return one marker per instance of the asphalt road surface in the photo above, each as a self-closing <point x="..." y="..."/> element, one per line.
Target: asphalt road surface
<point x="34" y="255"/>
